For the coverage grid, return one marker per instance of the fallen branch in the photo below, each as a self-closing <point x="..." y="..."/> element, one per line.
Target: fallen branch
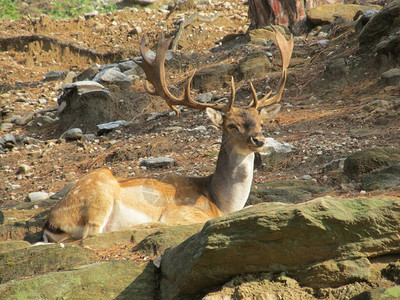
<point x="194" y="17"/>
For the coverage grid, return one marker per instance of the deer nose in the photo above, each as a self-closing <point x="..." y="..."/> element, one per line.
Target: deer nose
<point x="257" y="140"/>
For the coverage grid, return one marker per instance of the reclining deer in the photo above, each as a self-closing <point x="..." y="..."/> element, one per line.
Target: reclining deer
<point x="102" y="203"/>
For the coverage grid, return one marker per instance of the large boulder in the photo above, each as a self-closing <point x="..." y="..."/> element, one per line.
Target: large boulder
<point x="369" y="160"/>
<point x="381" y="36"/>
<point x="381" y="25"/>
<point x="323" y="242"/>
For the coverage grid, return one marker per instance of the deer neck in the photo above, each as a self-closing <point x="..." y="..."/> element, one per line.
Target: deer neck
<point x="233" y="176"/>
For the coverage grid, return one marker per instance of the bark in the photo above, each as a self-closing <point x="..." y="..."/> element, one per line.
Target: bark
<point x="283" y="12"/>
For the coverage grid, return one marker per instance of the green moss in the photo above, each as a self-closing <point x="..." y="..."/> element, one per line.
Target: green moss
<point x="9" y="9"/>
<point x="392" y="292"/>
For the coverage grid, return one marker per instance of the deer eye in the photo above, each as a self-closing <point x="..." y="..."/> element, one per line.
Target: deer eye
<point x="233" y="127"/>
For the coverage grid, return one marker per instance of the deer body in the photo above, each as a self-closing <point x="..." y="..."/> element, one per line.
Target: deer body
<point x="102" y="203"/>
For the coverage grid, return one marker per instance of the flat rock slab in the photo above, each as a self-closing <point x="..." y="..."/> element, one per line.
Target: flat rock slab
<point x="13" y="245"/>
<point x="159" y="162"/>
<point x="102" y="280"/>
<point x="41" y="259"/>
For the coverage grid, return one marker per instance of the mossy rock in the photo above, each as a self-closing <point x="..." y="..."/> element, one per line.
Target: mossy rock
<point x="102" y="280"/>
<point x="13" y="245"/>
<point x="41" y="259"/>
<point x="369" y="160"/>
<point x="333" y="235"/>
<point x="254" y="65"/>
<point x="326" y="13"/>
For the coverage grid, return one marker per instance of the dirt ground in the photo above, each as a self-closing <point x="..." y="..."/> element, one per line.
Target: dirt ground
<point x="323" y="123"/>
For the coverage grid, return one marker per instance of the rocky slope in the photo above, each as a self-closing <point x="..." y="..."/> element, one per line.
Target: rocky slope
<point x="342" y="97"/>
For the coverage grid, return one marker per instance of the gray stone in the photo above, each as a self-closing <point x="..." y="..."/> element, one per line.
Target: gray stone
<point x="108" y="127"/>
<point x="91" y="14"/>
<point x="272" y="145"/>
<point x="8" y="141"/>
<point x="204" y="98"/>
<point x="115" y="77"/>
<point x="329" y="236"/>
<point x="72" y="134"/>
<point x="9" y="138"/>
<point x="6" y="126"/>
<point x="37" y="196"/>
<point x="273" y="154"/>
<point x="159" y="162"/>
<point x="126" y="65"/>
<point x="108" y="67"/>
<point x="391" y="77"/>
<point x="84" y="105"/>
<point x="88" y="73"/>
<point x="25" y="119"/>
<point x="69" y="78"/>
<point x="136" y="71"/>
<point x="82" y="87"/>
<point x="54" y="75"/>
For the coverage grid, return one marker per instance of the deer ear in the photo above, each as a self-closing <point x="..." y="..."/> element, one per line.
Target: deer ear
<point x="214" y="116"/>
<point x="268" y="113"/>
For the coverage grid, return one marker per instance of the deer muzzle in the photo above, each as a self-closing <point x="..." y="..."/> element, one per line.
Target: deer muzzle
<point x="256" y="140"/>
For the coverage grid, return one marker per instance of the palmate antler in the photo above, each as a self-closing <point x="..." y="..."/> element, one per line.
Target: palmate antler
<point x="155" y="74"/>
<point x="286" y="49"/>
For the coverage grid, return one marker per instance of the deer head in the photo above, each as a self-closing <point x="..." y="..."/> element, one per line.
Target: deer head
<point x="243" y="125"/>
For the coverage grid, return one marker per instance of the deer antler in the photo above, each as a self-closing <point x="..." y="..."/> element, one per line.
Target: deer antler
<point x="286" y="49"/>
<point x="155" y="74"/>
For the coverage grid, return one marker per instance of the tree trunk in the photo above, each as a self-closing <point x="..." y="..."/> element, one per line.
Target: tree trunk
<point x="283" y="12"/>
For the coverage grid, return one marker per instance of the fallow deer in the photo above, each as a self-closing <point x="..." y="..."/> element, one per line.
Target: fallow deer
<point x="102" y="203"/>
